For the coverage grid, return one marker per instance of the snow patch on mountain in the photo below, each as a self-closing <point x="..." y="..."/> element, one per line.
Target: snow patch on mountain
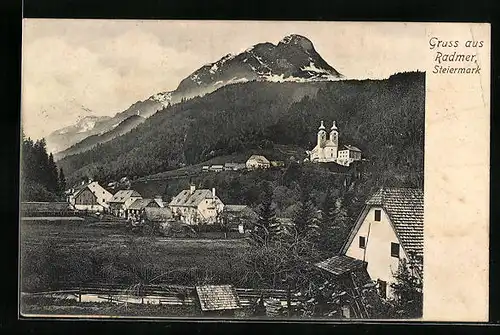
<point x="163" y="98"/>
<point x="86" y="126"/>
<point x="312" y="68"/>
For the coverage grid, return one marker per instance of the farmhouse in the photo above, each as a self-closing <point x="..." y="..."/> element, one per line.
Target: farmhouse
<point x="234" y="166"/>
<point x="135" y="210"/>
<point x="90" y="196"/>
<point x="257" y="162"/>
<point x="121" y="201"/>
<point x="389" y="229"/>
<point x="194" y="206"/>
<point x="327" y="150"/>
<point x="348" y="154"/>
<point x="217" y="168"/>
<point x="239" y="217"/>
<point x="218" y="300"/>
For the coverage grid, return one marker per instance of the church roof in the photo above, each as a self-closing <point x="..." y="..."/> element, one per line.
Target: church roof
<point x="329" y="143"/>
<point x="322" y="126"/>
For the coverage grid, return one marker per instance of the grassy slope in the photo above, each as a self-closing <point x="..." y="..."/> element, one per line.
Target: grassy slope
<point x="68" y="248"/>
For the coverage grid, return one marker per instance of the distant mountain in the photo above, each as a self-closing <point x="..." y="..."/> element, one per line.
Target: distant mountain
<point x="293" y="59"/>
<point x="384" y="118"/>
<point x="122" y="128"/>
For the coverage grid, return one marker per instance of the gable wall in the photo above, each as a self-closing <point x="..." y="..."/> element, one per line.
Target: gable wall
<point x="381" y="264"/>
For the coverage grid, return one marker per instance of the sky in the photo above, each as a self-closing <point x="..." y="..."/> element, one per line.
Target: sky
<point x="75" y="68"/>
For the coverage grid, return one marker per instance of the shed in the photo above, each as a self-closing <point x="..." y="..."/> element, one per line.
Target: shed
<point x="218" y="299"/>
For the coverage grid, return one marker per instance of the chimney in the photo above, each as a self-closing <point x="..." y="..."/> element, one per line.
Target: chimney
<point x="213" y="192"/>
<point x="192" y="188"/>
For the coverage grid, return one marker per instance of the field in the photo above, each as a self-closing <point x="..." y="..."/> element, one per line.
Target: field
<point x="61" y="253"/>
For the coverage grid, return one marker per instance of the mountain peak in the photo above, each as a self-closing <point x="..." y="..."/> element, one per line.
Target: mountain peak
<point x="299" y="40"/>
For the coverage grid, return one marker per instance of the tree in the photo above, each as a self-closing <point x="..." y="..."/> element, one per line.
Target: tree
<point x="408" y="293"/>
<point x="305" y="219"/>
<point x="266" y="227"/>
<point x="52" y="175"/>
<point x="62" y="181"/>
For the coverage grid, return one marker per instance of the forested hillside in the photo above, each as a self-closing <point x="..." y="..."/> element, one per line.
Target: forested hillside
<point x="385" y="118"/>
<point x="41" y="180"/>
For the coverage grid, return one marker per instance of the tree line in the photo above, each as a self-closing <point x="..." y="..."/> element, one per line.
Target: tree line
<point x="41" y="179"/>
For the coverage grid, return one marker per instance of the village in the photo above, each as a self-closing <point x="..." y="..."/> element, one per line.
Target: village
<point x="387" y="233"/>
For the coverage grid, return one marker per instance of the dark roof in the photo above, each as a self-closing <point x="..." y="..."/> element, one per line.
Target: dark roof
<point x="123" y="195"/>
<point x="350" y="147"/>
<point x="235" y="208"/>
<point x="141" y="203"/>
<point x="405" y="207"/>
<point x="185" y="198"/>
<point x="341" y="264"/>
<point x="217" y="297"/>
<point x="158" y="213"/>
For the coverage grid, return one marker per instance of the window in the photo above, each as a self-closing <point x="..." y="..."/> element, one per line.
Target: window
<point x="382" y="289"/>
<point x="362" y="242"/>
<point x="377" y="214"/>
<point x="394" y="249"/>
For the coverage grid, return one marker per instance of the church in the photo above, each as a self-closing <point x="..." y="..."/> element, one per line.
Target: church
<point x="327" y="149"/>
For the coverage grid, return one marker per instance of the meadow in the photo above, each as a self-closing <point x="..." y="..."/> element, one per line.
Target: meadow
<point x="57" y="254"/>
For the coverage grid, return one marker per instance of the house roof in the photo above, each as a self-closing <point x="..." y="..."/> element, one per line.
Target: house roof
<point x="123" y="195"/>
<point x="158" y="213"/>
<point x="350" y="147"/>
<point x="80" y="190"/>
<point x="141" y="203"/>
<point x="341" y="264"/>
<point x="259" y="159"/>
<point x="235" y="208"/>
<point x="405" y="208"/>
<point x="186" y="199"/>
<point x="217" y="297"/>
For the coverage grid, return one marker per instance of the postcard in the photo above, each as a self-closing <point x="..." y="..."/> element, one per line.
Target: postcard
<point x="255" y="170"/>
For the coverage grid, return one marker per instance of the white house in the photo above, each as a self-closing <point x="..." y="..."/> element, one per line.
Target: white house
<point x="257" y="162"/>
<point x="348" y="154"/>
<point x="194" y="206"/>
<point x="90" y="196"/>
<point x="327" y="149"/>
<point x="389" y="229"/>
<point x="122" y="200"/>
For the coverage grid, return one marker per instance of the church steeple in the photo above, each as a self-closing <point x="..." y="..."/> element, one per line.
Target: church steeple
<point x="334" y="134"/>
<point x="321" y="135"/>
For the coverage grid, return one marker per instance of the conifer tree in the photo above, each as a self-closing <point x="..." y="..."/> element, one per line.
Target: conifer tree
<point x="266" y="227"/>
<point x="52" y="177"/>
<point x="62" y="181"/>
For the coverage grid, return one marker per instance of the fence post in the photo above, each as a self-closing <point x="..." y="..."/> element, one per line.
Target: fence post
<point x="79" y="294"/>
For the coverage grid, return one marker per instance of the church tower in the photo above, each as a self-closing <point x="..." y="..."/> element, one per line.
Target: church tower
<point x="334" y="138"/>
<point x="321" y="135"/>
